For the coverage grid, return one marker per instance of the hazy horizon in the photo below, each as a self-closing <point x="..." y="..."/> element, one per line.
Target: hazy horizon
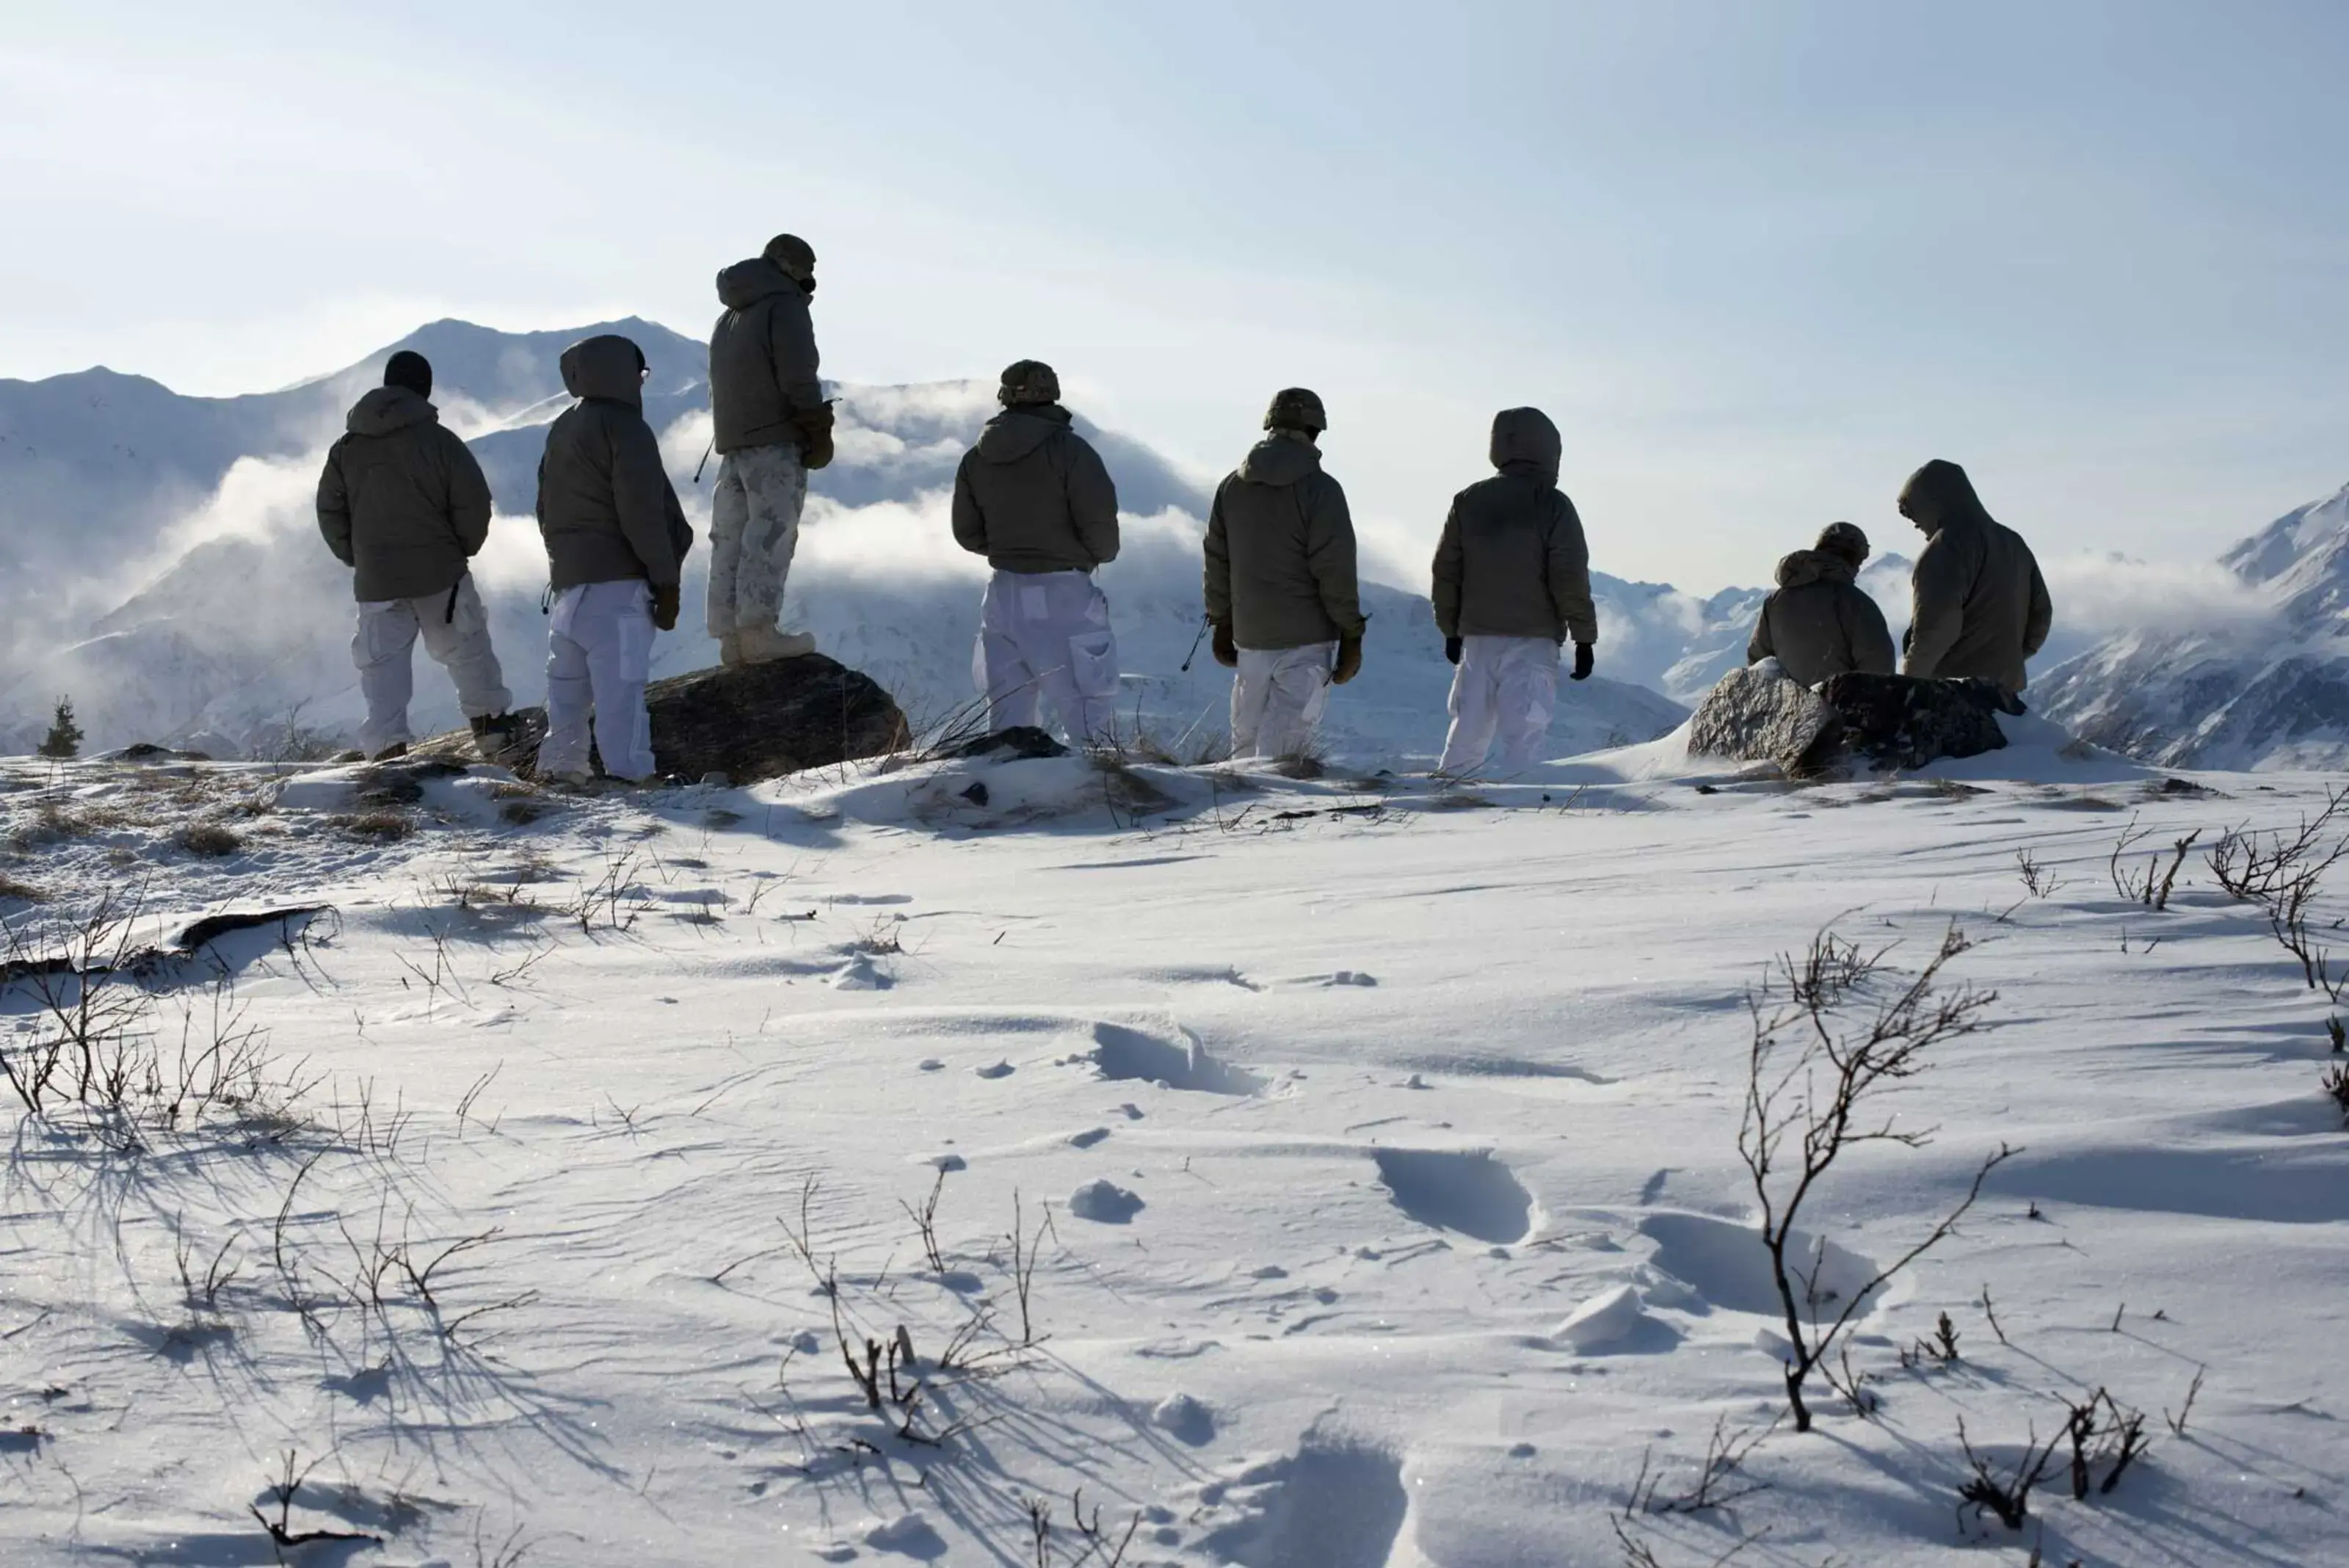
<point x="1758" y="265"/>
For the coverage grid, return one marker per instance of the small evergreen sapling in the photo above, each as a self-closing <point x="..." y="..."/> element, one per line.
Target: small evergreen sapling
<point x="63" y="741"/>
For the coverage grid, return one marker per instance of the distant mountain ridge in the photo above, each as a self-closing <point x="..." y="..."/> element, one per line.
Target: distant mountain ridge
<point x="229" y="639"/>
<point x="2264" y="686"/>
<point x="229" y="632"/>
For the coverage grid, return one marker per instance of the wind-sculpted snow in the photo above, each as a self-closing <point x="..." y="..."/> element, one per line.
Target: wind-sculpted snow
<point x="1371" y="1143"/>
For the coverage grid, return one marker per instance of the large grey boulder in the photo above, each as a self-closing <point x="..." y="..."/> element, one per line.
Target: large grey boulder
<point x="1761" y="715"/>
<point x="750" y="722"/>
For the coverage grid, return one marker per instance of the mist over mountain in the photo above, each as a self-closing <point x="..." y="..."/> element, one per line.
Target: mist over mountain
<point x="162" y="566"/>
<point x="171" y="581"/>
<point x="2248" y="667"/>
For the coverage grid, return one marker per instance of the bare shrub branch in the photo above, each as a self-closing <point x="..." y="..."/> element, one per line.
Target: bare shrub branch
<point x="1811" y="1079"/>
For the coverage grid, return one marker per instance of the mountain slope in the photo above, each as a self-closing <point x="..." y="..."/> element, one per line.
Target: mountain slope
<point x="2264" y="686"/>
<point x="237" y="634"/>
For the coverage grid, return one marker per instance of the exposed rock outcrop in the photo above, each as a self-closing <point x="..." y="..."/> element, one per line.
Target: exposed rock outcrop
<point x="755" y="721"/>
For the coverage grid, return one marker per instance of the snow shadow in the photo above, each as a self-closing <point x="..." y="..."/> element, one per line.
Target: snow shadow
<point x="1120" y="1052"/>
<point x="1726" y="1263"/>
<point x="2296" y="1184"/>
<point x="211" y="949"/>
<point x="1332" y="1504"/>
<point x="1467" y="1191"/>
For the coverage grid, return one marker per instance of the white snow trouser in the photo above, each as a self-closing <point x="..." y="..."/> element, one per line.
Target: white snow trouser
<point x="1047" y="634"/>
<point x="1279" y="697"/>
<point x="754" y="530"/>
<point x="1504" y="687"/>
<point x="599" y="653"/>
<point x="456" y="631"/>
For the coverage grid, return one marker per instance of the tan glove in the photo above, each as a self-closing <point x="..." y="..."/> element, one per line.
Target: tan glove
<point x="665" y="605"/>
<point x="1227" y="652"/>
<point x="1350" y="660"/>
<point x="815" y="427"/>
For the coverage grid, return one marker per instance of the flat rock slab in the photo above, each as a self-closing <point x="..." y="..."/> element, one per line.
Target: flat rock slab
<point x="1761" y="715"/>
<point x="750" y="722"/>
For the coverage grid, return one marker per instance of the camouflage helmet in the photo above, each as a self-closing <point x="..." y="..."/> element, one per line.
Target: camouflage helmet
<point x="792" y="255"/>
<point x="1027" y="381"/>
<point x="1295" y="409"/>
<point x="1844" y="539"/>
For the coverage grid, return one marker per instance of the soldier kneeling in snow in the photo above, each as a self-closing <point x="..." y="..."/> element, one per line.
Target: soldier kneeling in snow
<point x="1512" y="583"/>
<point x="1033" y="498"/>
<point x="616" y="543"/>
<point x="1818" y="621"/>
<point x="402" y="502"/>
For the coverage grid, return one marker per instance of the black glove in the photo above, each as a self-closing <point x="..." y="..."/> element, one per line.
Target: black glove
<point x="1451" y="650"/>
<point x="665" y="605"/>
<point x="814" y="428"/>
<point x="1583" y="653"/>
<point x="1227" y="652"/>
<point x="1350" y="660"/>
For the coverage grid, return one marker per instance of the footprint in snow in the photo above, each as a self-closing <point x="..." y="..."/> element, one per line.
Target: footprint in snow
<point x="1105" y="1202"/>
<point x="1469" y="1191"/>
<point x="860" y="973"/>
<point x="909" y="1535"/>
<point x="995" y="1070"/>
<point x="1184" y="1419"/>
<point x="1088" y="1137"/>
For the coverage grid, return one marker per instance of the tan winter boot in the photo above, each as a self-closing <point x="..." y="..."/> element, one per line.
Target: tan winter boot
<point x="762" y="644"/>
<point x="729" y="650"/>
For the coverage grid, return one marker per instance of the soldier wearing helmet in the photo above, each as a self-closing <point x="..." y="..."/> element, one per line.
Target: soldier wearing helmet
<point x="1280" y="589"/>
<point x="1819" y="622"/>
<point x="1034" y="499"/>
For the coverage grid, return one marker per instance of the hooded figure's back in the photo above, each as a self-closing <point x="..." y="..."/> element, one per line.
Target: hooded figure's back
<point x="401" y="499"/>
<point x="1819" y="622"/>
<point x="1978" y="606"/>
<point x="762" y="358"/>
<point x="1033" y="496"/>
<point x="606" y="507"/>
<point x="1512" y="561"/>
<point x="1281" y="551"/>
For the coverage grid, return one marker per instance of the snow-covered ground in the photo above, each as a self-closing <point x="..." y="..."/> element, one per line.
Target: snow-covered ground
<point x="1372" y="1145"/>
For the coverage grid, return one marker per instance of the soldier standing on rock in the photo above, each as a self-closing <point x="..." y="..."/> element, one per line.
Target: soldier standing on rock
<point x="1980" y="607"/>
<point x="770" y="426"/>
<point x="1818" y="621"/>
<point x="615" y="542"/>
<point x="403" y="503"/>
<point x="1280" y="589"/>
<point x="1034" y="499"/>
<point x="1512" y="583"/>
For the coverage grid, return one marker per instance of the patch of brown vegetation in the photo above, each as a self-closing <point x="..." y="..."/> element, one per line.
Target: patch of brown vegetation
<point x="209" y="840"/>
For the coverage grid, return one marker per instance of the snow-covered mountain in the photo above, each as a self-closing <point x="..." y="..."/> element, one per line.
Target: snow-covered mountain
<point x="171" y="579"/>
<point x="2259" y="679"/>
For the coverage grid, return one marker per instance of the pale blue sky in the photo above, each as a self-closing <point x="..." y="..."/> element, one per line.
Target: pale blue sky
<point x="1758" y="260"/>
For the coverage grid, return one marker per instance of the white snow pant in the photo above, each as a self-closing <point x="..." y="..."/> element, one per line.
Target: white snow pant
<point x="754" y="530"/>
<point x="599" y="652"/>
<point x="455" y="632"/>
<point x="1047" y="634"/>
<point x="1506" y="686"/>
<point x="1279" y="697"/>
